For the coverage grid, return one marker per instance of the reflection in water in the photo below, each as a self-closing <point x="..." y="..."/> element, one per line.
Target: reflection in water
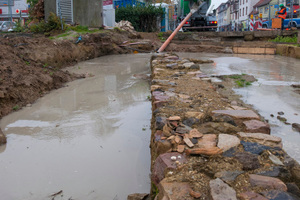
<point x="86" y="139"/>
<point x="270" y="94"/>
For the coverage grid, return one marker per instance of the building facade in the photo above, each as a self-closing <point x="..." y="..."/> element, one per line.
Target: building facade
<point x="223" y="17"/>
<point x="13" y="10"/>
<point x="83" y="12"/>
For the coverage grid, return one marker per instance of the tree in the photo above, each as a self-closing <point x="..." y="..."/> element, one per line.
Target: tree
<point x="32" y="2"/>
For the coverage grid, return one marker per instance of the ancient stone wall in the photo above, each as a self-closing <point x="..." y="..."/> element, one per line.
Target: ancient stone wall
<point x="208" y="146"/>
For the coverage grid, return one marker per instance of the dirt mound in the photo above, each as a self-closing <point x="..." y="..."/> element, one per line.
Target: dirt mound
<point x="30" y="65"/>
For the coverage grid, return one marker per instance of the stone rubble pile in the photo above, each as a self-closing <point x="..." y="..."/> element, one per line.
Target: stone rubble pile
<point x="219" y="154"/>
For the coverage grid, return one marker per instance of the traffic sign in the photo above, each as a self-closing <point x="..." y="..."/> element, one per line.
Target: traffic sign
<point x="18" y="11"/>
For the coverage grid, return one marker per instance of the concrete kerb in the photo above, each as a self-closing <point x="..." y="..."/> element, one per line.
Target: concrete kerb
<point x="169" y="173"/>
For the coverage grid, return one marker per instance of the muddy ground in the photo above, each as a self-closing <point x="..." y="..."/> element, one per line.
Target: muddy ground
<point x="30" y="65"/>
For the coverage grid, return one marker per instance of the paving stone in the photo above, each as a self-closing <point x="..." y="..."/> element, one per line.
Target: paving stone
<point x="267" y="182"/>
<point x="174" y="191"/>
<point x="238" y="108"/>
<point x="204" y="151"/>
<point x="293" y="189"/>
<point x="164" y="162"/>
<point x="160" y="122"/>
<point x="248" y="160"/>
<point x="194" y="133"/>
<point x="207" y="141"/>
<point x="172" y="58"/>
<point x="221" y="191"/>
<point x="279" y="195"/>
<point x="254" y="148"/>
<point x="251" y="196"/>
<point x="223" y="118"/>
<point x="261" y="138"/>
<point x="137" y="196"/>
<point x="2" y="138"/>
<point x="256" y="126"/>
<point x="226" y="141"/>
<point x="155" y="87"/>
<point x="231" y="152"/>
<point x="272" y="172"/>
<point x="158" y="104"/>
<point x="158" y="135"/>
<point x="188" y="65"/>
<point x="190" y="121"/>
<point x="197" y="115"/>
<point x="239" y="114"/>
<point x="172" y="66"/>
<point x="159" y="96"/>
<point x="183" y="129"/>
<point x="228" y="175"/>
<point x="174" y="118"/>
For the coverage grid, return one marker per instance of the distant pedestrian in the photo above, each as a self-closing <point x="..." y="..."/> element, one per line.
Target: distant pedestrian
<point x="282" y="14"/>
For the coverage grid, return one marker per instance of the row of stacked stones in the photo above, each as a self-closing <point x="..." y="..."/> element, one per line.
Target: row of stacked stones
<point x="217" y="154"/>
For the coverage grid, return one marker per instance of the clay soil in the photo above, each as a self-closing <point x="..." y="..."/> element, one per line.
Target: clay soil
<point x="31" y="65"/>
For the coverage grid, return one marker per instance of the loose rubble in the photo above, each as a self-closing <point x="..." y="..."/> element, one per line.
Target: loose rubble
<point x="205" y="145"/>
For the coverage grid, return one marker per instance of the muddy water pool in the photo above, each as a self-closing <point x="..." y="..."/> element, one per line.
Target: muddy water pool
<point x="89" y="140"/>
<point x="272" y="92"/>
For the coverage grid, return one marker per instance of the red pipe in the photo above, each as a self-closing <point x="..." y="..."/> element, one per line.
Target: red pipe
<point x="165" y="44"/>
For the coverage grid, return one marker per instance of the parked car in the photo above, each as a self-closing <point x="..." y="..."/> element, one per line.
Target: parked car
<point x="7" y="26"/>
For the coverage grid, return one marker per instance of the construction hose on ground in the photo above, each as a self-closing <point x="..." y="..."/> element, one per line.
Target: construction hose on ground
<point x="165" y="44"/>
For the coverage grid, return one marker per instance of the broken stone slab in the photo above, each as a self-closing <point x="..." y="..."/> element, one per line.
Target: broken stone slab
<point x="174" y="190"/>
<point x="160" y="122"/>
<point x="207" y="141"/>
<point x="180" y="148"/>
<point x="274" y="171"/>
<point x="191" y="121"/>
<point x="254" y="148"/>
<point x="188" y="142"/>
<point x="158" y="104"/>
<point x="248" y="160"/>
<point x="137" y="196"/>
<point x="293" y="189"/>
<point x="183" y="129"/>
<point x="238" y="108"/>
<point x="174" y="118"/>
<point x="172" y="57"/>
<point x="172" y="66"/>
<point x="197" y="115"/>
<point x="238" y="114"/>
<point x="279" y="195"/>
<point x="249" y="195"/>
<point x="2" y="138"/>
<point x="164" y="162"/>
<point x="228" y="176"/>
<point x="204" y="151"/>
<point x="267" y="182"/>
<point x="188" y="65"/>
<point x="160" y="96"/>
<point x="223" y="118"/>
<point x="155" y="87"/>
<point x="221" y="191"/>
<point x="256" y="126"/>
<point x="194" y="133"/>
<point x="261" y="138"/>
<point x="226" y="141"/>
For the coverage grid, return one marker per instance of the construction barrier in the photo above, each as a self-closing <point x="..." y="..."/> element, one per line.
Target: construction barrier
<point x="251" y="23"/>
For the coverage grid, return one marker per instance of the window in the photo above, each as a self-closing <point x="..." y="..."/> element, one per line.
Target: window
<point x="246" y="10"/>
<point x="261" y="10"/>
<point x="240" y="2"/>
<point x="266" y="9"/>
<point x="243" y="11"/>
<point x="240" y="13"/>
<point x="243" y="2"/>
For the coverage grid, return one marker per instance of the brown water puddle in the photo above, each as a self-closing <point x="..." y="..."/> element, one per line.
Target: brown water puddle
<point x="90" y="139"/>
